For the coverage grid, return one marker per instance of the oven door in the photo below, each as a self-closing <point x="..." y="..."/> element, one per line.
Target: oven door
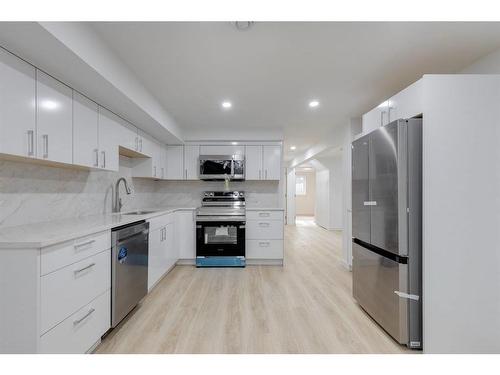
<point x="220" y="238"/>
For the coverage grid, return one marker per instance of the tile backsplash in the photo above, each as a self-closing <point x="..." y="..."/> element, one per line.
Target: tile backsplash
<point x="31" y="193"/>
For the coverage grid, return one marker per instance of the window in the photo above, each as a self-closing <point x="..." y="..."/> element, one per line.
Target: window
<point x="300" y="185"/>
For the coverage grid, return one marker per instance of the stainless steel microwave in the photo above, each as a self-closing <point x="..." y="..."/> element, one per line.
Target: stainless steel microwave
<point x="218" y="167"/>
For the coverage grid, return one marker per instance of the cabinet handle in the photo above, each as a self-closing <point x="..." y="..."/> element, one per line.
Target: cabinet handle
<point x="76" y="322"/>
<point x="31" y="143"/>
<point x="154" y="168"/>
<point x="84" y="268"/>
<point x="185" y="174"/>
<point x="45" y="139"/>
<point x="264" y="244"/>
<point x="96" y="161"/>
<point x="140" y="143"/>
<point x="382" y="118"/>
<point x="103" y="161"/>
<point x="162" y="173"/>
<point x="263" y="225"/>
<point x="84" y="244"/>
<point x="260" y="178"/>
<point x="264" y="214"/>
<point x="369" y="203"/>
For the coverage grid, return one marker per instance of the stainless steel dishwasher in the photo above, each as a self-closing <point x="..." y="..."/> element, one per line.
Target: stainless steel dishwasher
<point x="129" y="268"/>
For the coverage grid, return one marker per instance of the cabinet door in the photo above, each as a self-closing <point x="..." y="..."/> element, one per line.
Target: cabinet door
<point x="155" y="256"/>
<point x="85" y="131"/>
<point x="175" y="163"/>
<point x="146" y="145"/>
<point x="108" y="144"/>
<point x="54" y="119"/>
<point x="406" y="103"/>
<point x="222" y="150"/>
<point x="191" y="161"/>
<point x="172" y="251"/>
<point x="17" y="106"/>
<point x="377" y="117"/>
<point x="271" y="162"/>
<point x="185" y="234"/>
<point x="127" y="134"/>
<point x="162" y="162"/>
<point x="253" y="163"/>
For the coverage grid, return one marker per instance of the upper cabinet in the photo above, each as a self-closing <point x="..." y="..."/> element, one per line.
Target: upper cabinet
<point x="108" y="143"/>
<point x="127" y="135"/>
<point x="54" y="119"/>
<point x="17" y="106"/>
<point x="222" y="150"/>
<point x="263" y="162"/>
<point x="85" y="131"/>
<point x="174" y="156"/>
<point x="405" y="104"/>
<point x="191" y="162"/>
<point x="253" y="162"/>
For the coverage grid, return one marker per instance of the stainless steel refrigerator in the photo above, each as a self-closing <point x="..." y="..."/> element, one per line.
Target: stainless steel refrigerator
<point x="387" y="228"/>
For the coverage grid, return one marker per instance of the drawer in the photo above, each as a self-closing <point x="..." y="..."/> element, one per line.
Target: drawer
<point x="66" y="253"/>
<point x="264" y="230"/>
<point x="264" y="249"/>
<point x="160" y="221"/>
<point x="66" y="290"/>
<point x="79" y="332"/>
<point x="267" y="215"/>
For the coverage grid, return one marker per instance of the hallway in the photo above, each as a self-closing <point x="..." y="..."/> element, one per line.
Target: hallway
<point x="304" y="307"/>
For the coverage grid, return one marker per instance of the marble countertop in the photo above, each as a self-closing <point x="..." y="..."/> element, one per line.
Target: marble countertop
<point x="52" y="232"/>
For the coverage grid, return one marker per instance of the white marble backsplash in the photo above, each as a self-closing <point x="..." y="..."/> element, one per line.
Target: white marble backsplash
<point x="31" y="193"/>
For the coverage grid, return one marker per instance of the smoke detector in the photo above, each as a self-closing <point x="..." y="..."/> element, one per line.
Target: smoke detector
<point x="243" y="25"/>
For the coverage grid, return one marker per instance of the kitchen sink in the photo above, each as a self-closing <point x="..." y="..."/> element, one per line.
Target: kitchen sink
<point x="138" y="212"/>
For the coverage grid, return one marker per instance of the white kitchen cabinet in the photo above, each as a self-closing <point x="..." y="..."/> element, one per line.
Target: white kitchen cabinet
<point x="185" y="227"/>
<point x="191" y="162"/>
<point x="174" y="162"/>
<point x="406" y="103"/>
<point x="162" y="253"/>
<point x="85" y="131"/>
<point x="17" y="106"/>
<point x="222" y="150"/>
<point x="152" y="166"/>
<point x="377" y="117"/>
<point x="54" y="119"/>
<point x="271" y="162"/>
<point x="253" y="162"/>
<point x="127" y="135"/>
<point x="264" y="236"/>
<point x="146" y="144"/>
<point x="108" y="142"/>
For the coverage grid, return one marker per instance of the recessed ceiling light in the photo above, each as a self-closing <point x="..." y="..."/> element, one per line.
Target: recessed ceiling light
<point x="226" y="105"/>
<point x="293" y="148"/>
<point x="313" y="103"/>
<point x="234" y="143"/>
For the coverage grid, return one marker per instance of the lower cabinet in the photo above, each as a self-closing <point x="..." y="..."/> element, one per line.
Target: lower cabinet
<point x="185" y="227"/>
<point x="264" y="237"/>
<point x="264" y="249"/>
<point x="82" y="330"/>
<point x="163" y="253"/>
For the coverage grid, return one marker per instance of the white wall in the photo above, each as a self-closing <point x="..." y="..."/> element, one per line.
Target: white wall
<point x="321" y="211"/>
<point x="461" y="214"/>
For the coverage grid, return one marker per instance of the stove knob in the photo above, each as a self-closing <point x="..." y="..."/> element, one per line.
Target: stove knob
<point x="241" y="194"/>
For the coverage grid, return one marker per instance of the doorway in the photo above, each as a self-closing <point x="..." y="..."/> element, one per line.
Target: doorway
<point x="305" y="195"/>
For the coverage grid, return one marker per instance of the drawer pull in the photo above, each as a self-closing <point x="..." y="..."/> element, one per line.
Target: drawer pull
<point x="84" y="268"/>
<point x="76" y="322"/>
<point x="264" y="244"/>
<point x="263" y="224"/>
<point x="78" y="245"/>
<point x="264" y="214"/>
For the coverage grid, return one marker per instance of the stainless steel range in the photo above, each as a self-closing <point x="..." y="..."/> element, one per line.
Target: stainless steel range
<point x="220" y="229"/>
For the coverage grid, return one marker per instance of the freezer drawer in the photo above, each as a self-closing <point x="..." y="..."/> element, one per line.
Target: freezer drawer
<point x="375" y="281"/>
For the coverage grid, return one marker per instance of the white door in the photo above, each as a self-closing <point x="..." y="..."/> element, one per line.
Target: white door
<point x="185" y="234"/>
<point x="271" y="162"/>
<point x="54" y="119"/>
<point x="108" y="144"/>
<point x="175" y="163"/>
<point x="253" y="163"/>
<point x="155" y="256"/>
<point x="191" y="161"/>
<point x="290" y="197"/>
<point x="17" y="106"/>
<point x="85" y="131"/>
<point x="172" y="251"/>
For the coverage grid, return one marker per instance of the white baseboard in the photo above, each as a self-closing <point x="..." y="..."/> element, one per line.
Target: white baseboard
<point x="264" y="262"/>
<point x="346" y="265"/>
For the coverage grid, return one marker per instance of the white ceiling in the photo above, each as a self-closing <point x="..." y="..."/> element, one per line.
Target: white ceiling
<point x="271" y="71"/>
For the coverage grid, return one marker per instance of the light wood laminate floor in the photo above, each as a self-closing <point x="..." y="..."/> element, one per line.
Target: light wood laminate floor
<point x="304" y="307"/>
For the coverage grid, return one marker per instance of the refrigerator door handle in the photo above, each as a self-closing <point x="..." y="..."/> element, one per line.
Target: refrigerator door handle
<point x="407" y="296"/>
<point x="370" y="203"/>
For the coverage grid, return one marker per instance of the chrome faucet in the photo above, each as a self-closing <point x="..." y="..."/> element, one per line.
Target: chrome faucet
<point x="118" y="200"/>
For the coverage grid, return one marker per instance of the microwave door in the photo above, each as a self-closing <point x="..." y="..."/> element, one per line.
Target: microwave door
<point x="216" y="167"/>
